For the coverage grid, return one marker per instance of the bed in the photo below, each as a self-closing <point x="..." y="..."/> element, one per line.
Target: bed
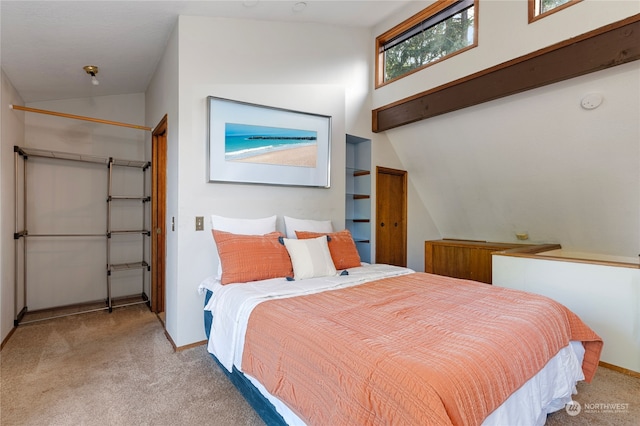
<point x="380" y="344"/>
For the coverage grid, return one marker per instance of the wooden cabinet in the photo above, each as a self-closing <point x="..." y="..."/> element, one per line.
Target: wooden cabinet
<point x="470" y="260"/>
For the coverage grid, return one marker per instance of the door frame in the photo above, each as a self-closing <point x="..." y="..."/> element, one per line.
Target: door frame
<point x="396" y="172"/>
<point x="158" y="215"/>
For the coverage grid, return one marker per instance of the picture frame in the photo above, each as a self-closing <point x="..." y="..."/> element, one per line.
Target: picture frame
<point x="258" y="144"/>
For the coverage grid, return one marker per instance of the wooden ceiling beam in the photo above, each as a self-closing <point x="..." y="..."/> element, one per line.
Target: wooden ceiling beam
<point x="605" y="47"/>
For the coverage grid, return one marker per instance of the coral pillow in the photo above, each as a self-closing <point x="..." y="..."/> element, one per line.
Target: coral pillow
<point x="248" y="258"/>
<point x="234" y="225"/>
<point x="341" y="246"/>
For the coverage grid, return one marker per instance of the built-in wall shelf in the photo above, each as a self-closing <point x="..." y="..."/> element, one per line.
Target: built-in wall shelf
<point x="358" y="194"/>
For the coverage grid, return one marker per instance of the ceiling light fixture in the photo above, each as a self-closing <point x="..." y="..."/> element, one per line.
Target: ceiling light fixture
<point x="92" y="70"/>
<point x="299" y="6"/>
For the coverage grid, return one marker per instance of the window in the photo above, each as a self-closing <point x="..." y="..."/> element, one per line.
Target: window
<point x="541" y="8"/>
<point x="440" y="31"/>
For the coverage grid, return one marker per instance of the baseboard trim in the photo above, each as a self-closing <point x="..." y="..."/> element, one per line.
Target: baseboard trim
<point x="185" y="347"/>
<point x="192" y="345"/>
<point x="6" y="339"/>
<point x="620" y="369"/>
<point x="169" y="339"/>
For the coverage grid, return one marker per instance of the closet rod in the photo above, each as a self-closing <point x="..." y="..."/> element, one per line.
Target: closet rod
<point x="79" y="117"/>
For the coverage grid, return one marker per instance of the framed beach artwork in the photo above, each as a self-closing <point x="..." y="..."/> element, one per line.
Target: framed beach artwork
<point x="250" y="143"/>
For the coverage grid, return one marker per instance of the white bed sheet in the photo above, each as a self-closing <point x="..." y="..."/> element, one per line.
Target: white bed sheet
<point x="231" y="305"/>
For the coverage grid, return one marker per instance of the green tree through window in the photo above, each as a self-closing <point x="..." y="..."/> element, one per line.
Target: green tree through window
<point x="547" y="5"/>
<point x="540" y="8"/>
<point x="430" y="45"/>
<point x="435" y="33"/>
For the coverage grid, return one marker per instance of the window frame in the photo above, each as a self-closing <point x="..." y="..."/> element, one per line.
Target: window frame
<point x="532" y="9"/>
<point x="409" y="24"/>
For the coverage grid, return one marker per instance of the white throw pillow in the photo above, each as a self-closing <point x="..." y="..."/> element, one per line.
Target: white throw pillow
<point x="292" y="225"/>
<point x="260" y="226"/>
<point x="244" y="226"/>
<point x="310" y="258"/>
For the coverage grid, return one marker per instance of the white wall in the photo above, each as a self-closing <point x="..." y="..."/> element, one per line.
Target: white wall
<point x="606" y="298"/>
<point x="301" y="70"/>
<point x="161" y="99"/>
<point x="305" y="67"/>
<point x="504" y="34"/>
<point x="78" y="136"/>
<point x="534" y="162"/>
<point x="12" y="132"/>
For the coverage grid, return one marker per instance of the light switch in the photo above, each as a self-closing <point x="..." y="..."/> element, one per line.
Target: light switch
<point x="199" y="223"/>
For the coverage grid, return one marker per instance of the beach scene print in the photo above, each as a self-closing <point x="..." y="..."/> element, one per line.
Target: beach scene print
<point x="270" y="145"/>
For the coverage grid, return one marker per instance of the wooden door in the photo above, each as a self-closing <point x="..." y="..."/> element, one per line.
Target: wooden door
<point x="158" y="215"/>
<point x="391" y="216"/>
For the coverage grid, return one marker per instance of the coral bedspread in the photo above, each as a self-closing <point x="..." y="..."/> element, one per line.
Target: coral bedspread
<point x="414" y="349"/>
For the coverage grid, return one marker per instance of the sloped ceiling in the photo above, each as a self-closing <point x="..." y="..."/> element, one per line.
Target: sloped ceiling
<point x="536" y="162"/>
<point x="45" y="44"/>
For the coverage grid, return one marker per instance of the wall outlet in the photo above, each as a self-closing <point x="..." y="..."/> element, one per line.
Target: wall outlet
<point x="199" y="223"/>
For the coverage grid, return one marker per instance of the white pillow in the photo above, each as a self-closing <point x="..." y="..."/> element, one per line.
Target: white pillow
<point x="310" y="258"/>
<point x="291" y="225"/>
<point x="244" y="226"/>
<point x="261" y="226"/>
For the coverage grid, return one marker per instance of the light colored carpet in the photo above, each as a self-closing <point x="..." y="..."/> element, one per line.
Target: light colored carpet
<point x="112" y="369"/>
<point x="119" y="369"/>
<point x="612" y="398"/>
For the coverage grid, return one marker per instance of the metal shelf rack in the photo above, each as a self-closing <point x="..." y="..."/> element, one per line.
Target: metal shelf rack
<point x="111" y="233"/>
<point x="111" y="268"/>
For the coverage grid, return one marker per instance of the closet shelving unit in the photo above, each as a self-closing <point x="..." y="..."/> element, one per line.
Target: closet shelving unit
<point x="114" y="232"/>
<point x="113" y="201"/>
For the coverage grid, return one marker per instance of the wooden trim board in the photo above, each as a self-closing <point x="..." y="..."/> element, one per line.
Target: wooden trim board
<point x="605" y="47"/>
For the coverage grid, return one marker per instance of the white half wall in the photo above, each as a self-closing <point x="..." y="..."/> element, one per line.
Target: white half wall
<point x="606" y="298"/>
